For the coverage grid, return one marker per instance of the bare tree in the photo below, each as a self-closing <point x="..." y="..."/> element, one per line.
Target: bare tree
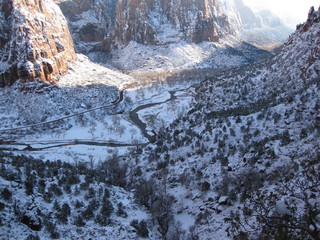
<point x="133" y="132"/>
<point x="92" y="128"/>
<point x="121" y="130"/>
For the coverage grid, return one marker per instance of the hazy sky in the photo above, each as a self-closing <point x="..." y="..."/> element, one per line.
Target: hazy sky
<point x="292" y="12"/>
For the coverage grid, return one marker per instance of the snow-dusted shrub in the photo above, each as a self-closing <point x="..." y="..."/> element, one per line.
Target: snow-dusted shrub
<point x="290" y="210"/>
<point x="33" y="237"/>
<point x="116" y="171"/>
<point x="54" y="188"/>
<point x="103" y="218"/>
<point x="144" y="192"/>
<point x="162" y="213"/>
<point x="2" y="206"/>
<point x="141" y="228"/>
<point x="64" y="213"/>
<point x="240" y="185"/>
<point x="54" y="234"/>
<point x="79" y="221"/>
<point x="205" y="186"/>
<point x="6" y="194"/>
<point x="121" y="210"/>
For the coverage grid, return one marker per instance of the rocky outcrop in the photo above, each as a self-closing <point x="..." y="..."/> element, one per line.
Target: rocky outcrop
<point x="313" y="17"/>
<point x="35" y="42"/>
<point x="101" y="25"/>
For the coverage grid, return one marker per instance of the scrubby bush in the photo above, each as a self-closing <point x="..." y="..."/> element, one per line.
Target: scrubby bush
<point x="205" y="186"/>
<point x="64" y="213"/>
<point x="288" y="211"/>
<point x="141" y="228"/>
<point x="79" y="221"/>
<point x="6" y="194"/>
<point x="121" y="210"/>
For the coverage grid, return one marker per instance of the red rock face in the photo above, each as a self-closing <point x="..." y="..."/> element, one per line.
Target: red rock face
<point x="118" y="22"/>
<point x="36" y="43"/>
<point x="198" y="20"/>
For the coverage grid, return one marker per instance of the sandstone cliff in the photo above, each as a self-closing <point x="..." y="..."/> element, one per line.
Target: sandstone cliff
<point x="101" y="25"/>
<point x="35" y="42"/>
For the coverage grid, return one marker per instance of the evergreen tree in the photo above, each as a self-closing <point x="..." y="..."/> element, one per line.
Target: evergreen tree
<point x="79" y="221"/>
<point x="64" y="213"/>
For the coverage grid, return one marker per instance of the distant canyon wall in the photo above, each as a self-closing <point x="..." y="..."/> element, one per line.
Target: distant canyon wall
<point x="35" y="42"/>
<point x="103" y="24"/>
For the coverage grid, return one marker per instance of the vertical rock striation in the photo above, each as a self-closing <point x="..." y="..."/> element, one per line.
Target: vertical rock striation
<point x="101" y="25"/>
<point x="35" y="42"/>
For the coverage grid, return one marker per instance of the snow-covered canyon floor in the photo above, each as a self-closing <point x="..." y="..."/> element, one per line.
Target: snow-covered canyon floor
<point x="86" y="117"/>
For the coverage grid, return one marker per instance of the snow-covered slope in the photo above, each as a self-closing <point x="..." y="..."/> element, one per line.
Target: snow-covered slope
<point x="86" y="86"/>
<point x="43" y="200"/>
<point x="244" y="161"/>
<point x="184" y="55"/>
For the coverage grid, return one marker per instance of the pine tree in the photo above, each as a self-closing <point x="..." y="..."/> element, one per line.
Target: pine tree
<point x="121" y="210"/>
<point x="79" y="221"/>
<point x="64" y="213"/>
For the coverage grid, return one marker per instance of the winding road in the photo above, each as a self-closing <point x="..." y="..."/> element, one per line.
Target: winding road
<point x="63" y="143"/>
<point x="113" y="103"/>
<point x="133" y="115"/>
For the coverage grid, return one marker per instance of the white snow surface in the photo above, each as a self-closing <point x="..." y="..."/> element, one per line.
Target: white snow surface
<point x="83" y="72"/>
<point x="177" y="56"/>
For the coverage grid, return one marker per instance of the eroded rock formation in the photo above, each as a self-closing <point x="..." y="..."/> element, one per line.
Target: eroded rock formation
<point x="313" y="16"/>
<point x="35" y="42"/>
<point x="99" y="25"/>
